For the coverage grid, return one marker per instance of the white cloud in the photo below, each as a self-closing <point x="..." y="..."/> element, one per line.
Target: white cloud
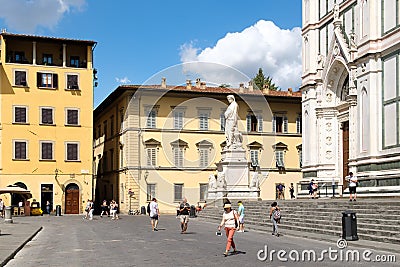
<point x="263" y="45"/>
<point x="28" y="15"/>
<point x="124" y="80"/>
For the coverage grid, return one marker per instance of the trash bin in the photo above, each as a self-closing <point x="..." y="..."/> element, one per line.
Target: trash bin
<point x="58" y="210"/>
<point x="192" y="212"/>
<point x="349" y="225"/>
<point x="143" y="210"/>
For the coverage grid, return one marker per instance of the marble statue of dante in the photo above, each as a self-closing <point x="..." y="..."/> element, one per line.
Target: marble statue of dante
<point x="231" y="120"/>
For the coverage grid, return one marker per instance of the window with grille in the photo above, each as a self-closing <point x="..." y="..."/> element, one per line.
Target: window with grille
<point x="204" y="159"/>
<point x="47" y="116"/>
<point x="203" y="120"/>
<point x="178" y="192"/>
<point x="47" y="80"/>
<point x="72" y="151"/>
<point x="203" y="192"/>
<point x="20" y="78"/>
<point x="178" y="119"/>
<point x="72" y="82"/>
<point x="151" y="156"/>
<point x="20" y="149"/>
<point x="151" y="191"/>
<point x="254" y="157"/>
<point x="151" y="119"/>
<point x="72" y="117"/>
<point x="280" y="160"/>
<point x="112" y="125"/>
<point x="279" y="124"/>
<point x="298" y="124"/>
<point x="178" y="156"/>
<point x="20" y="115"/>
<point x="46" y="150"/>
<point x="222" y="121"/>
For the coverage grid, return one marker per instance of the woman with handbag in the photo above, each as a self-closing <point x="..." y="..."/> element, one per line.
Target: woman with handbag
<point x="230" y="221"/>
<point x="275" y="216"/>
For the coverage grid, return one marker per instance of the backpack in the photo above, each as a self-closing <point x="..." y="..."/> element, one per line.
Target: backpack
<point x="277" y="215"/>
<point x="148" y="208"/>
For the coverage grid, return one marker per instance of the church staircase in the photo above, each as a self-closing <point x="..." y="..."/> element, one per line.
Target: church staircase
<point x="378" y="220"/>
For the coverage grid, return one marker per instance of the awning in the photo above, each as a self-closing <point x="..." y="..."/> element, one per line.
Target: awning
<point x="16" y="190"/>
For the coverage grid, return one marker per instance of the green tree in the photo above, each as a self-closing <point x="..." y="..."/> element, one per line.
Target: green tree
<point x="224" y="85"/>
<point x="260" y="81"/>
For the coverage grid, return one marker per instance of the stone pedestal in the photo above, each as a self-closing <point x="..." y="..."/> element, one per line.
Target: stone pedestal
<point x="234" y="167"/>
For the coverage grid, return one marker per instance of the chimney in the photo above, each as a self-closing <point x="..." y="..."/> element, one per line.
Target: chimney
<point x="241" y="87"/>
<point x="290" y="91"/>
<point x="266" y="89"/>
<point x="251" y="88"/>
<point x="163" y="82"/>
<point x="198" y="83"/>
<point x="202" y="85"/>
<point x="189" y="84"/>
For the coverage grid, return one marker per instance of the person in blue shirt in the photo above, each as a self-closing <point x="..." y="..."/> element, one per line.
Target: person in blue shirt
<point x="241" y="217"/>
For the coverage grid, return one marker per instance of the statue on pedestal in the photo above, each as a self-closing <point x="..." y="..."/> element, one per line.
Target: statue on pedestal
<point x="221" y="182"/>
<point x="233" y="136"/>
<point x="255" y="181"/>
<point x="212" y="182"/>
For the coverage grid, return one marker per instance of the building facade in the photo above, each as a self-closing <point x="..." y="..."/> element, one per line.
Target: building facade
<point x="46" y="104"/>
<point x="350" y="93"/>
<point x="163" y="141"/>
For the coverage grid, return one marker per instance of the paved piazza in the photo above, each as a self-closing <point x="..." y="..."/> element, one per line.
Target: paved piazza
<point x="72" y="241"/>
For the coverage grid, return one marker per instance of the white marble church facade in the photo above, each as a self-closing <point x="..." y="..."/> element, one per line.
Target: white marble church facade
<point x="351" y="93"/>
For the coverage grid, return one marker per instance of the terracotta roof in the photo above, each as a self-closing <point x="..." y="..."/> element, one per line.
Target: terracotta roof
<point x="5" y="34"/>
<point x="219" y="90"/>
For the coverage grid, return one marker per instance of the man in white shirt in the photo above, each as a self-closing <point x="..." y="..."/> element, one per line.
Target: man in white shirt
<point x="352" y="186"/>
<point x="154" y="214"/>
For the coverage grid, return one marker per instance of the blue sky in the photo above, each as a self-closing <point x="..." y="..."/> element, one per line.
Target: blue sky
<point x="140" y="39"/>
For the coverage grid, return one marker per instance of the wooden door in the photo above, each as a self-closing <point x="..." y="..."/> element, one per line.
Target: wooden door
<point x="72" y="201"/>
<point x="345" y="135"/>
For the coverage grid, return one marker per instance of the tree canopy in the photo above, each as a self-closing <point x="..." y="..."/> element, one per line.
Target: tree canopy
<point x="260" y="81"/>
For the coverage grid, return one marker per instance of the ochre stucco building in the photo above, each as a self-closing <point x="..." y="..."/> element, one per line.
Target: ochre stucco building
<point x="46" y="104"/>
<point x="163" y="141"/>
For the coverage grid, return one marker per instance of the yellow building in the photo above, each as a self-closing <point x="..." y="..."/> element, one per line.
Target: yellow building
<point x="46" y="100"/>
<point x="163" y="141"/>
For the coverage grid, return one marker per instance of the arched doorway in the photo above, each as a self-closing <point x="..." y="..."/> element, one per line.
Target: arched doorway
<point x="17" y="198"/>
<point x="72" y="199"/>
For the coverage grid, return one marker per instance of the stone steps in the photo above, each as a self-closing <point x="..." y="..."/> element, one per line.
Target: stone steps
<point x="377" y="219"/>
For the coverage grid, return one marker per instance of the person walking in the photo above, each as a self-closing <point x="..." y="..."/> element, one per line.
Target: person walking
<point x="48" y="207"/>
<point x="104" y="209"/>
<point x="91" y="209"/>
<point x="274" y="215"/>
<point x="353" y="181"/>
<point x="229" y="220"/>
<point x="87" y="209"/>
<point x="154" y="214"/>
<point x="241" y="216"/>
<point x="281" y="191"/>
<point x="1" y="208"/>
<point x="184" y="209"/>
<point x="291" y="190"/>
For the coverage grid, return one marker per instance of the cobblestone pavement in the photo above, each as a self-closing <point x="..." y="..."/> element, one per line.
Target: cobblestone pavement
<point x="72" y="241"/>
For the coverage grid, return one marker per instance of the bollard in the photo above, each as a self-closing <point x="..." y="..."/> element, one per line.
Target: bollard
<point x="58" y="210"/>
<point x="8" y="215"/>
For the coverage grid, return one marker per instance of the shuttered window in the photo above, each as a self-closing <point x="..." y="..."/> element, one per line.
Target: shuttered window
<point x="20" y="78"/>
<point x="72" y="117"/>
<point x="46" y="150"/>
<point x="47" y="116"/>
<point x="20" y="150"/>
<point x="20" y="115"/>
<point x="178" y="192"/>
<point x="72" y="152"/>
<point x="178" y="156"/>
<point x="151" y="156"/>
<point x="72" y="82"/>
